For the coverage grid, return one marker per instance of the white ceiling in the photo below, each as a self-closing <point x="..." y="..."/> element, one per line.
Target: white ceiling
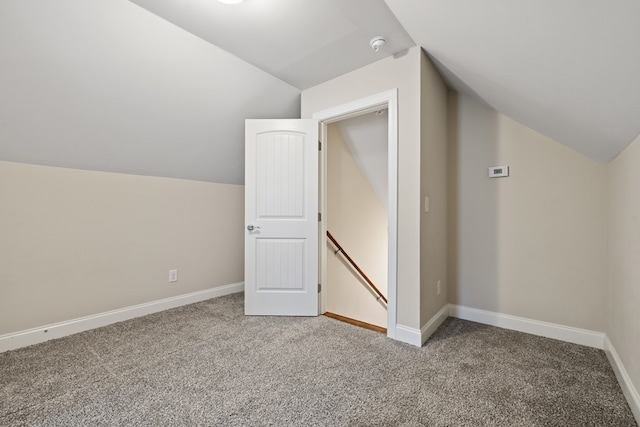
<point x="301" y="42"/>
<point x="568" y="69"/>
<point x="108" y="86"/>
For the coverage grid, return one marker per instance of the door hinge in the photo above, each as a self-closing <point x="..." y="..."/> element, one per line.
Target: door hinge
<point x="319" y="287"/>
<point x="319" y="146"/>
<point x="319" y="217"/>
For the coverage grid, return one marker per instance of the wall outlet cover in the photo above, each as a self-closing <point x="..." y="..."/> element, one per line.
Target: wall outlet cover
<point x="173" y="276"/>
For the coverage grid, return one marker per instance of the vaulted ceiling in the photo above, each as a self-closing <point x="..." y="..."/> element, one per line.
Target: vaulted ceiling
<point x="301" y="42"/>
<point x="568" y="69"/>
<point x="162" y="87"/>
<point x="107" y="86"/>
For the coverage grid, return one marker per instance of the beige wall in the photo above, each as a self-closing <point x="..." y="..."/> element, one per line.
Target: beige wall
<point x="356" y="218"/>
<point x="433" y="183"/>
<point x="401" y="72"/>
<point x="76" y="243"/>
<point x="533" y="244"/>
<point x="623" y="227"/>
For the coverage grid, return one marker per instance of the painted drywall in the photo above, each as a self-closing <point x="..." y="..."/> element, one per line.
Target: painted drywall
<point x="533" y="244"/>
<point x="623" y="227"/>
<point x="301" y="42"/>
<point x="401" y="72"/>
<point x="109" y="86"/>
<point x="567" y="69"/>
<point x="367" y="136"/>
<point x="433" y="184"/>
<point x="76" y="243"/>
<point x="358" y="221"/>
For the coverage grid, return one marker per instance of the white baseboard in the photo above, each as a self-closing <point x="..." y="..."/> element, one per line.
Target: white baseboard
<point x="408" y="335"/>
<point x="530" y="326"/>
<point x="62" y="329"/>
<point x="418" y="337"/>
<point x="564" y="333"/>
<point x="628" y="389"/>
<point x="433" y="323"/>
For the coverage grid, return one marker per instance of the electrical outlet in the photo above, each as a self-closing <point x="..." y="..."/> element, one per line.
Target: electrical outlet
<point x="439" y="287"/>
<point x="173" y="276"/>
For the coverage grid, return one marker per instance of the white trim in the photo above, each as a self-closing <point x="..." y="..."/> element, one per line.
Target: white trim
<point x="58" y="330"/>
<point x="530" y="326"/>
<point x="408" y="335"/>
<point x="628" y="389"/>
<point x="322" y="239"/>
<point x="358" y="107"/>
<point x="427" y="330"/>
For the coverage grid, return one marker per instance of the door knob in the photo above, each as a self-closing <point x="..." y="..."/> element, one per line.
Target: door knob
<point x="251" y="227"/>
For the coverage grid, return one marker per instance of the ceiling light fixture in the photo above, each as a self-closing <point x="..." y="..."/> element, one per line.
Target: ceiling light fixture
<point x="230" y="1"/>
<point x="377" y="42"/>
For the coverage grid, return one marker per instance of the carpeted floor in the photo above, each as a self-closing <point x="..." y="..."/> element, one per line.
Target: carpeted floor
<point x="208" y="365"/>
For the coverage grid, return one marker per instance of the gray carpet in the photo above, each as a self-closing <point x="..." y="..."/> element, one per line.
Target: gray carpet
<point x="207" y="365"/>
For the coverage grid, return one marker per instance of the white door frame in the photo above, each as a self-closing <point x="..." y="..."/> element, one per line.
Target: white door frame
<point x="389" y="100"/>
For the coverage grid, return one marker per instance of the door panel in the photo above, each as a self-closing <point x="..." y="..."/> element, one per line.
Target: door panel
<point x="281" y="205"/>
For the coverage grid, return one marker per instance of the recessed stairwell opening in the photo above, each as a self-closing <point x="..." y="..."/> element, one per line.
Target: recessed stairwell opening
<point x="356" y="186"/>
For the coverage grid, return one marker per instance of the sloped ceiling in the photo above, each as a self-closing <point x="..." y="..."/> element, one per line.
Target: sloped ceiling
<point x="107" y="86"/>
<point x="568" y="69"/>
<point x="301" y="42"/>
<point x="366" y="137"/>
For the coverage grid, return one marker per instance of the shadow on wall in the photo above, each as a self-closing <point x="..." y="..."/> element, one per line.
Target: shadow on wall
<point x="358" y="221"/>
<point x="351" y="269"/>
<point x="473" y="256"/>
<point x="532" y="244"/>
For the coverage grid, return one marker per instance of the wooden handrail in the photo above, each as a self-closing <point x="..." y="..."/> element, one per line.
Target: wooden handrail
<point x="354" y="265"/>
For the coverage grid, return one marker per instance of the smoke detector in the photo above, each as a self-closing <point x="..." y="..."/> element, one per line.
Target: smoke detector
<point x="377" y="42"/>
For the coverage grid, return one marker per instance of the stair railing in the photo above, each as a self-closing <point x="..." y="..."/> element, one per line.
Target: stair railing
<point x="355" y="266"/>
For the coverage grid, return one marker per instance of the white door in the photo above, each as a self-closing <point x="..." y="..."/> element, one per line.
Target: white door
<point x="281" y="217"/>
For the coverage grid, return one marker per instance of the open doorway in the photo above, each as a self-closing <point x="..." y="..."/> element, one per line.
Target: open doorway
<point x="386" y="104"/>
<point x="356" y="185"/>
